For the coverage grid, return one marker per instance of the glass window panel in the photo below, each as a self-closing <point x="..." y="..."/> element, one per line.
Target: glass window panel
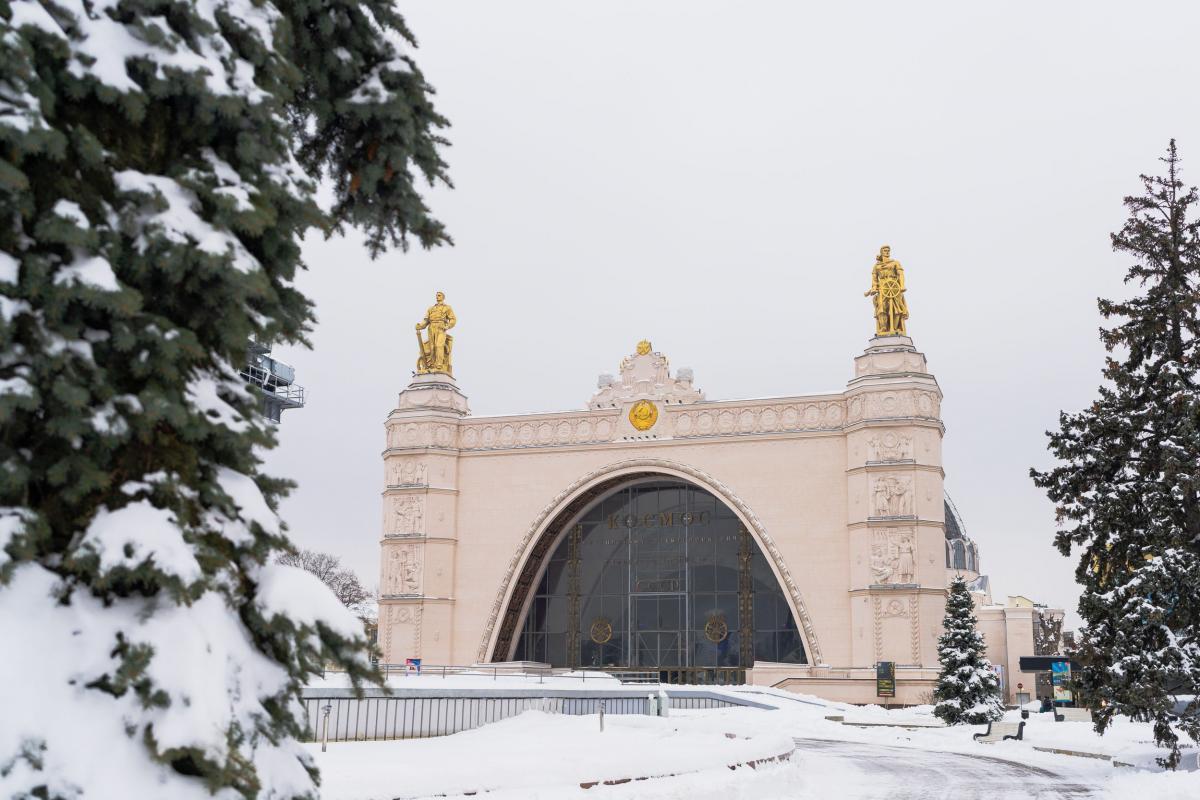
<point x="670" y="613"/>
<point x="727" y="578"/>
<point x="764" y="646"/>
<point x="764" y="612"/>
<point x="555" y="579"/>
<point x="556" y="648"/>
<point x="556" y="614"/>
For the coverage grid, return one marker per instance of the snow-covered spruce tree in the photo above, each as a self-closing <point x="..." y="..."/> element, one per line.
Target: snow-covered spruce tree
<point x="1128" y="488"/>
<point x="158" y="161"/>
<point x="968" y="692"/>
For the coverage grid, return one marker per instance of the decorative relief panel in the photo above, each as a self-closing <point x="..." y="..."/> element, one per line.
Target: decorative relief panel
<point x="401" y="631"/>
<point x="408" y="515"/>
<point x="778" y="418"/>
<point x="897" y="608"/>
<point x="402" y="571"/>
<point x="901" y="403"/>
<point x="891" y="496"/>
<point x="409" y="472"/>
<point x="890" y="446"/>
<point x="497" y="435"/>
<point x="421" y="434"/>
<point x="894" y="556"/>
<point x="889" y="362"/>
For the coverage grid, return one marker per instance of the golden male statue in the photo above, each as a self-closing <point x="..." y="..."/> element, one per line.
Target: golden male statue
<point x="887" y="287"/>
<point x="435" y="349"/>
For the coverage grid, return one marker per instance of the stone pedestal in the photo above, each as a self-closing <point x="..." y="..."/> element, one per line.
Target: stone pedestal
<point x="420" y="534"/>
<point x="895" y="514"/>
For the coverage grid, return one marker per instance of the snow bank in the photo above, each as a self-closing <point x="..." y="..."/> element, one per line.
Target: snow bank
<point x="535" y="753"/>
<point x="208" y="671"/>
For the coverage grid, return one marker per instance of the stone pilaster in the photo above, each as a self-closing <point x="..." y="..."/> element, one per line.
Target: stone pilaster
<point x="420" y="503"/>
<point x="895" y="504"/>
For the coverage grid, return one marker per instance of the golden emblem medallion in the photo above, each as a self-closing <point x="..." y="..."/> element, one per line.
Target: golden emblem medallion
<point x="643" y="415"/>
<point x="601" y="631"/>
<point x="716" y="629"/>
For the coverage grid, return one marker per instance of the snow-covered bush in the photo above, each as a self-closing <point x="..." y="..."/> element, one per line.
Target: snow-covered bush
<point x="158" y="161"/>
<point x="968" y="691"/>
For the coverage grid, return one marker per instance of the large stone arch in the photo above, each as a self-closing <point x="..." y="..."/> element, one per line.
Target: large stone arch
<point x="521" y="569"/>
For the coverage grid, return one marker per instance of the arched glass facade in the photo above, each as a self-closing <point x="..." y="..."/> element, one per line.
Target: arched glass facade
<point x="659" y="575"/>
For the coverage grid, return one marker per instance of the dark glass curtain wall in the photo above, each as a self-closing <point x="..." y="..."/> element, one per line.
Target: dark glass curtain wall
<point x="659" y="575"/>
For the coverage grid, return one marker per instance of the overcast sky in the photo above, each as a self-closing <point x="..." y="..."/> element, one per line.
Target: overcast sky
<point x="717" y="177"/>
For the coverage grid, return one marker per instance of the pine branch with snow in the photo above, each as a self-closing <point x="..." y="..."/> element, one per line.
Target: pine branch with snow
<point x="968" y="690"/>
<point x="1127" y="489"/>
<point x="157" y="165"/>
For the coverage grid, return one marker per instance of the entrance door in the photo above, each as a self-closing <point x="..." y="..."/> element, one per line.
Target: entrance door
<point x="659" y="632"/>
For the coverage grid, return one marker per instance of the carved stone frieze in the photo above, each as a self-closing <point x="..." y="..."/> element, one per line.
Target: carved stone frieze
<point x="891" y="496"/>
<point x="402" y="571"/>
<point x="774" y="418"/>
<point x="404" y="620"/>
<point x="409" y="472"/>
<point x="421" y="434"/>
<point x="890" y="446"/>
<point x="584" y="429"/>
<point x="894" y="556"/>
<point x="407" y="515"/>
<point x="900" y="403"/>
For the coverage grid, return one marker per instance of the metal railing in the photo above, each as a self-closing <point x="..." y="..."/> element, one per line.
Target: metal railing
<point x="694" y="676"/>
<point x="406" y="713"/>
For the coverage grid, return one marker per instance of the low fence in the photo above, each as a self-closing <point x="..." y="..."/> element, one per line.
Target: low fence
<point x="420" y="713"/>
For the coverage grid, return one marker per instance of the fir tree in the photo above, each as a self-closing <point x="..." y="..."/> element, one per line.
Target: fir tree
<point x="158" y="161"/>
<point x="1128" y="488"/>
<point x="967" y="692"/>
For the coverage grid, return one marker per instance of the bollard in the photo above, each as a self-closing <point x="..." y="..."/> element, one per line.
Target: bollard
<point x="664" y="704"/>
<point x="602" y="716"/>
<point x="652" y="705"/>
<point x="325" y="734"/>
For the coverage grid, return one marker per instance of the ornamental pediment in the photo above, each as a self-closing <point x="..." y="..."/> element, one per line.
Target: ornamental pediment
<point x="644" y="375"/>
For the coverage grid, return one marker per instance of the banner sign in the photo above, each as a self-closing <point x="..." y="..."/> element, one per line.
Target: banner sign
<point x="1060" y="679"/>
<point x="885" y="679"/>
<point x="412" y="665"/>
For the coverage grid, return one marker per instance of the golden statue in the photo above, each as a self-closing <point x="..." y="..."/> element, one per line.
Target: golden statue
<point x="887" y="287"/>
<point x="435" y="349"/>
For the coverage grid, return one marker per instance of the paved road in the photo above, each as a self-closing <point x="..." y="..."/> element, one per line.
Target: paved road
<point x="867" y="771"/>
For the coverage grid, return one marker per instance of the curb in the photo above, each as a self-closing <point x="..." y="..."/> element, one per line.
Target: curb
<point x="751" y="764"/>
<point x="1077" y="753"/>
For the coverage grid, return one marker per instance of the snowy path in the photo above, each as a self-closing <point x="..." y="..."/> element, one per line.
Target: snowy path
<point x="901" y="773"/>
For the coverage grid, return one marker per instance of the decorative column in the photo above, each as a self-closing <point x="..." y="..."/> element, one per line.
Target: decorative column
<point x="420" y="463"/>
<point x="895" y="497"/>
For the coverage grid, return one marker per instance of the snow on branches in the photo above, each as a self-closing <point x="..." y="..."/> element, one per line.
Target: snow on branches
<point x="967" y="691"/>
<point x="1127" y="488"/>
<point x="158" y="168"/>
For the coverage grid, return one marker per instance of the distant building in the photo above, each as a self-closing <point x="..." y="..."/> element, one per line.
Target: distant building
<point x="275" y="381"/>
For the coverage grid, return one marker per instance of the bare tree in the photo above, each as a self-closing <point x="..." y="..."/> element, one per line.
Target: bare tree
<point x="342" y="581"/>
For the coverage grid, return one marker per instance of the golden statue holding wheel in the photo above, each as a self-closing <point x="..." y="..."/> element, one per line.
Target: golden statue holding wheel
<point x="436" y="347"/>
<point x="887" y="287"/>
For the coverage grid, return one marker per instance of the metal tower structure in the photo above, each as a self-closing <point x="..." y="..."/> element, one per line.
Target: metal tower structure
<point x="274" y="380"/>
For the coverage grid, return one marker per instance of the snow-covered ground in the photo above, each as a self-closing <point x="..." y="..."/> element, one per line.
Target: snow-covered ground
<point x="539" y="756"/>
